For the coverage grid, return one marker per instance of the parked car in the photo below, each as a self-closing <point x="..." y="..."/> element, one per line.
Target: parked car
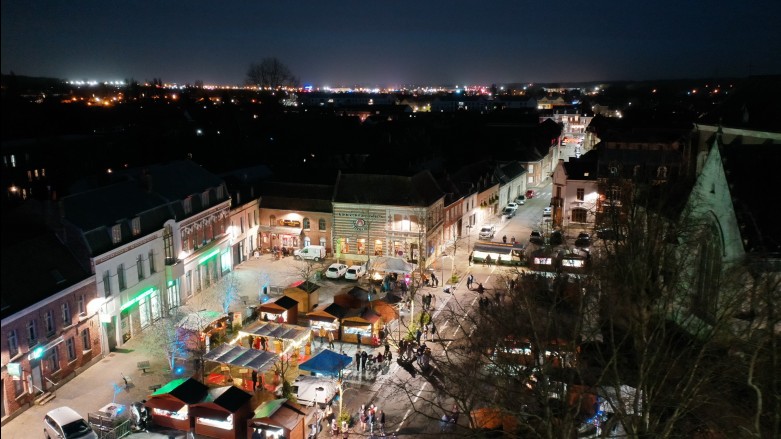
<point x="310" y="252"/>
<point x="508" y="212"/>
<point x="536" y="237"/>
<point x="336" y="271"/>
<point x="354" y="272"/>
<point x="583" y="240"/>
<point x="487" y="232"/>
<point x="530" y="194"/>
<point x="65" y="423"/>
<point x="520" y="199"/>
<point x="556" y="238"/>
<point x="512" y="205"/>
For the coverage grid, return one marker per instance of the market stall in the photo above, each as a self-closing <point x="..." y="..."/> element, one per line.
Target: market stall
<point x="305" y="293"/>
<point x="169" y="405"/>
<point x="500" y="253"/>
<point x="329" y="318"/>
<point x="277" y="419"/>
<point x="223" y="414"/>
<point x="363" y="321"/>
<point x="280" y="338"/>
<point x="237" y="363"/>
<point x="202" y="327"/>
<point x="285" y="309"/>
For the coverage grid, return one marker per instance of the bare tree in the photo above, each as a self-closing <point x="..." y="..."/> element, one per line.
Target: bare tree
<point x="271" y="73"/>
<point x="164" y="339"/>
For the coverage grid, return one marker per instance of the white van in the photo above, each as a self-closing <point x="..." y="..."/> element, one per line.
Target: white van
<point x="310" y="390"/>
<point x="310" y="252"/>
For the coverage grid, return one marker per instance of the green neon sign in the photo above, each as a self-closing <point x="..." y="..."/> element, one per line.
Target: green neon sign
<point x="137" y="299"/>
<point x="208" y="255"/>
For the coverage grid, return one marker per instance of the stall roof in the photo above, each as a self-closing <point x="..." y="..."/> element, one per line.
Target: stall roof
<point x="326" y="362"/>
<point x="390" y="264"/>
<point x="242" y="357"/>
<point x="198" y="321"/>
<point x="333" y="311"/>
<point x="497" y="247"/>
<point x="287" y="418"/>
<point x="187" y="390"/>
<point x="275" y="330"/>
<point x="286" y="302"/>
<point x="365" y="314"/>
<point x="230" y="398"/>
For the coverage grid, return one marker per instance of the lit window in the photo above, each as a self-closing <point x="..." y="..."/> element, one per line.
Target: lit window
<point x="136" y="226"/>
<point x="580" y="194"/>
<point x="306" y="224"/>
<point x="116" y="234"/>
<point x="188" y="205"/>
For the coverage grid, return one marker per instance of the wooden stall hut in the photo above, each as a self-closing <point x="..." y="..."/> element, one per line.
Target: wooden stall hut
<point x="170" y="404"/>
<point x="223" y="414"/>
<point x="236" y="364"/>
<point x="202" y="329"/>
<point x="364" y="321"/>
<point x="329" y="318"/>
<point x="277" y="419"/>
<point x="305" y="293"/>
<point x="285" y="308"/>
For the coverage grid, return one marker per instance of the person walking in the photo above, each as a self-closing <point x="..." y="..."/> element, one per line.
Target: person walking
<point x="263" y="343"/>
<point x="322" y="336"/>
<point x="469" y="280"/>
<point x="254" y="379"/>
<point x="358" y="336"/>
<point x="364" y="357"/>
<point x="470" y="259"/>
<point x="387" y="348"/>
<point x="504" y="239"/>
<point x="331" y="340"/>
<point x="358" y="359"/>
<point x="362" y="417"/>
<point x="480" y="289"/>
<point x="381" y="421"/>
<point x="433" y="328"/>
<point x="418" y="334"/>
<point x="434" y="279"/>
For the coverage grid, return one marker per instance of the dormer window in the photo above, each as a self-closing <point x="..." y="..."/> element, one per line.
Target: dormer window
<point x="219" y="193"/>
<point x="136" y="226"/>
<point x="205" y="198"/>
<point x="116" y="234"/>
<point x="661" y="172"/>
<point x="188" y="205"/>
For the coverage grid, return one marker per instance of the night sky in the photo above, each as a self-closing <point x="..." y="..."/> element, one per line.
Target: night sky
<point x="392" y="43"/>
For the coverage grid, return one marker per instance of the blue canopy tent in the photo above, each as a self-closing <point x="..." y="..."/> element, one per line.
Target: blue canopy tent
<point x="326" y="362"/>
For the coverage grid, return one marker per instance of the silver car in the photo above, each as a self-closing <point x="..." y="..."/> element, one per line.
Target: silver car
<point x="65" y="423"/>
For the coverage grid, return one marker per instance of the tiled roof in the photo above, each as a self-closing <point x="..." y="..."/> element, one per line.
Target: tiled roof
<point x="392" y="190"/>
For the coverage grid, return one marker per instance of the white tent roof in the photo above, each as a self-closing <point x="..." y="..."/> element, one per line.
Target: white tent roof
<point x="198" y="321"/>
<point x="390" y="264"/>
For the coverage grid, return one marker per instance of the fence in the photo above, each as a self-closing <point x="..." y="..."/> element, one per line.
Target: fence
<point x="107" y="427"/>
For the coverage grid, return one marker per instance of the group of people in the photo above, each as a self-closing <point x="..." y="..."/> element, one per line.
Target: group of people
<point x="448" y="421"/>
<point x="371" y="417"/>
<point x="365" y="361"/>
<point x="432" y="282"/>
<point x="323" y="334"/>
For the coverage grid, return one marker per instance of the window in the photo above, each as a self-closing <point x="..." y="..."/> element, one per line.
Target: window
<point x="54" y="359"/>
<point x="85" y="341"/>
<point x="135" y="225"/>
<point x="66" y="314"/>
<point x="219" y="193"/>
<point x="613" y="171"/>
<point x="48" y="318"/>
<point x="661" y="172"/>
<point x="188" y="205"/>
<point x="581" y="194"/>
<point x="168" y="243"/>
<point x="321" y="225"/>
<point x="140" y="267"/>
<point x="306" y="224"/>
<point x="578" y="215"/>
<point x="636" y="170"/>
<point x="18" y="387"/>
<point x="255" y="213"/>
<point x="70" y="345"/>
<point x="80" y="304"/>
<point x="121" y="277"/>
<point x="241" y="225"/>
<point x="32" y="333"/>
<point x="107" y="283"/>
<point x="205" y="198"/>
<point x="152" y="267"/>
<point x="116" y="234"/>
<point x="13" y="343"/>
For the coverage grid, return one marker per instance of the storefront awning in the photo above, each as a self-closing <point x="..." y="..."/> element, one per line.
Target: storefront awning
<point x="281" y="230"/>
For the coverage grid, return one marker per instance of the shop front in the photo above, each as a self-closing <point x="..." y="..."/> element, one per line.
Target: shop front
<point x="170" y="405"/>
<point x="282" y="310"/>
<point x="500" y="254"/>
<point x="283" y="234"/>
<point x="363" y="322"/>
<point x="224" y="413"/>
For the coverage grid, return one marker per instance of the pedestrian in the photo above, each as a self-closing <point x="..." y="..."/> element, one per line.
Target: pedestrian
<point x="263" y="343"/>
<point x="418" y="334"/>
<point x="470" y="259"/>
<point x="504" y="239"/>
<point x="480" y="289"/>
<point x="364" y="357"/>
<point x="254" y="379"/>
<point x="381" y="420"/>
<point x="433" y="328"/>
<point x="434" y="279"/>
<point x="469" y="280"/>
<point x="432" y="300"/>
<point x="443" y="422"/>
<point x="370" y="420"/>
<point x="512" y="240"/>
<point x="387" y="348"/>
<point x="331" y="340"/>
<point x="363" y="418"/>
<point x="425" y="332"/>
<point x="358" y="359"/>
<point x="358" y="337"/>
<point x="345" y="429"/>
<point x="322" y="336"/>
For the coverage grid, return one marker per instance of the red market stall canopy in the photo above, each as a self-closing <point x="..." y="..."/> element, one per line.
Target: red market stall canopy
<point x="296" y="334"/>
<point x="242" y="357"/>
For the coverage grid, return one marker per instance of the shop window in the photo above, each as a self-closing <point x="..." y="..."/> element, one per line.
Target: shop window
<point x="378" y="248"/>
<point x="361" y="245"/>
<point x="321" y="225"/>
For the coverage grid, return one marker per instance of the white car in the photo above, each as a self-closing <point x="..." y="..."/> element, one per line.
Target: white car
<point x="520" y="199"/>
<point x="65" y="423"/>
<point x="336" y="271"/>
<point x="548" y="211"/>
<point x="354" y="272"/>
<point x="512" y="205"/>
